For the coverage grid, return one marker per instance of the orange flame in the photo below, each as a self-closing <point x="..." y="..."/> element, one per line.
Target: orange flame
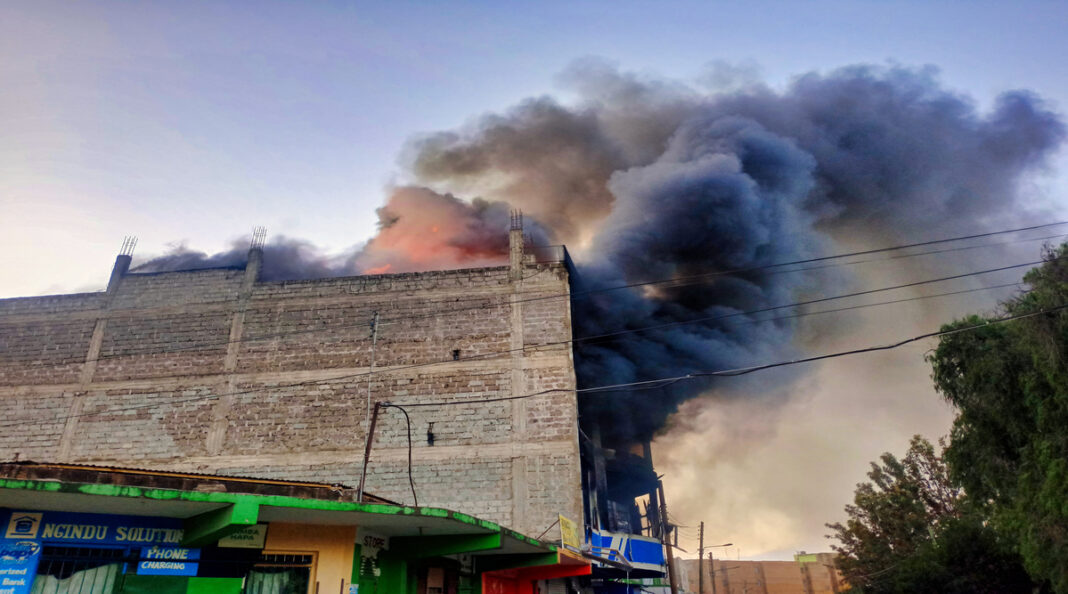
<point x="378" y="269"/>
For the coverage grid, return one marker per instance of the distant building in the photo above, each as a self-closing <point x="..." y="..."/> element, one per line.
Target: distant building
<point x="806" y="574"/>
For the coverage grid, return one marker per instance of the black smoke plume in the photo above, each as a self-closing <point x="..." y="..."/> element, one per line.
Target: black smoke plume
<point x="649" y="179"/>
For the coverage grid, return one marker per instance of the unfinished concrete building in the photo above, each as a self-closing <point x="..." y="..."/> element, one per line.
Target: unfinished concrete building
<point x="215" y="371"/>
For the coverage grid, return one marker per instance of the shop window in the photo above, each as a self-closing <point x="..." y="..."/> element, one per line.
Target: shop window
<point x="77" y="570"/>
<point x="280" y="573"/>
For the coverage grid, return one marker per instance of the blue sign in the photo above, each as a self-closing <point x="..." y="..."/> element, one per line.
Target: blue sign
<point x="168" y="561"/>
<point x="166" y="568"/>
<point x="18" y="565"/>
<point x="24" y="532"/>
<point x="640" y="552"/>
<point x="100" y="529"/>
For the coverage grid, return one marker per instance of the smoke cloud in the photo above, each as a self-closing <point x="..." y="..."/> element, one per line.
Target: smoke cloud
<point x="648" y="179"/>
<point x="418" y="229"/>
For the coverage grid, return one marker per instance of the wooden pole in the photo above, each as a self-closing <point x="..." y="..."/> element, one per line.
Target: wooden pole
<point x="367" y="451"/>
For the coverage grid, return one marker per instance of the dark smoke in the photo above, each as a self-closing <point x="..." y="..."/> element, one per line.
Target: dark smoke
<point x="647" y="179"/>
<point x="656" y="180"/>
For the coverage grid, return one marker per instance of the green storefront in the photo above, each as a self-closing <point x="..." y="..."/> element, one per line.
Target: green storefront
<point x="80" y="530"/>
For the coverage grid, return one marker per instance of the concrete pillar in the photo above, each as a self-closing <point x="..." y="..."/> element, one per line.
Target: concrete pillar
<point x="122" y="266"/>
<point x="515" y="246"/>
<point x="252" y="269"/>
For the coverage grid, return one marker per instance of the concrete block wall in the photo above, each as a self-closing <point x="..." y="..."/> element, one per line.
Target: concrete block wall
<point x="213" y="371"/>
<point x="762" y="577"/>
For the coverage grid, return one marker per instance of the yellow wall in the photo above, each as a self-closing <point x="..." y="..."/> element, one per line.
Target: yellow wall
<point x="333" y="546"/>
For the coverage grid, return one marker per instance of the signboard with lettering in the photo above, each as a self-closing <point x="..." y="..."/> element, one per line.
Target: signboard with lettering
<point x="252" y="537"/>
<point x="370" y="545"/>
<point x="100" y="529"/>
<point x="23" y="534"/>
<point x="168" y="561"/>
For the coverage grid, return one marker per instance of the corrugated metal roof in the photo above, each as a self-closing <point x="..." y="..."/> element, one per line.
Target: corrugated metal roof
<point x="337" y="490"/>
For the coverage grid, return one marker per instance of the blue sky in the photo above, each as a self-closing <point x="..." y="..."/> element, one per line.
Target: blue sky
<point x="195" y="121"/>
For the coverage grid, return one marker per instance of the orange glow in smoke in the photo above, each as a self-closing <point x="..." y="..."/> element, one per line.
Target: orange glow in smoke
<point x="378" y="269"/>
<point x="423" y="230"/>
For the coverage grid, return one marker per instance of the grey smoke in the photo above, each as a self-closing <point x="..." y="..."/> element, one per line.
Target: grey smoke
<point x="284" y="259"/>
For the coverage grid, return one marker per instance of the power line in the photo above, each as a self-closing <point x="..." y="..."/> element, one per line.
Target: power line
<point x="804" y="261"/>
<point x="672" y="282"/>
<point x="808" y="302"/>
<point x="408" y="421"/>
<point x="644" y="385"/>
<point x="755" y="368"/>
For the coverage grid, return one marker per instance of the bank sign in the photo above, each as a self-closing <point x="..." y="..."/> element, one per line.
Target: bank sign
<point x="18" y="565"/>
<point x="25" y="532"/>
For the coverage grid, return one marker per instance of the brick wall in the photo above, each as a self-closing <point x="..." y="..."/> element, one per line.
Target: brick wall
<point x="211" y="371"/>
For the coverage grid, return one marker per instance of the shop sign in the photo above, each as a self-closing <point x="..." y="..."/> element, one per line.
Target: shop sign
<point x="99" y="529"/>
<point x="370" y="545"/>
<point x="251" y="537"/>
<point x="168" y="561"/>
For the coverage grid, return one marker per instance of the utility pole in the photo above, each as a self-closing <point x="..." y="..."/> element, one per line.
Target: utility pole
<point x="370" y="418"/>
<point x="701" y="560"/>
<point x="666" y="539"/>
<point x="712" y="571"/>
<point x="367" y="451"/>
<point x="371" y="367"/>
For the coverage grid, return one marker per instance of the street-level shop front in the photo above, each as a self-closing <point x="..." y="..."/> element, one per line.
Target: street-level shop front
<point x="82" y="530"/>
<point x="48" y="552"/>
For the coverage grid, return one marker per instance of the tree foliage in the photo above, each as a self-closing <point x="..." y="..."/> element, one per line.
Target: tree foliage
<point x="1009" y="443"/>
<point x="910" y="529"/>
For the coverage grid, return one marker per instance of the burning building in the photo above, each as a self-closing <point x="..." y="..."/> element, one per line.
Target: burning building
<point x="211" y="370"/>
<point x="465" y="377"/>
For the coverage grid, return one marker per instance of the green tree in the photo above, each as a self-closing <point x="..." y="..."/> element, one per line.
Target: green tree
<point x="894" y="514"/>
<point x="910" y="530"/>
<point x="1009" y="443"/>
